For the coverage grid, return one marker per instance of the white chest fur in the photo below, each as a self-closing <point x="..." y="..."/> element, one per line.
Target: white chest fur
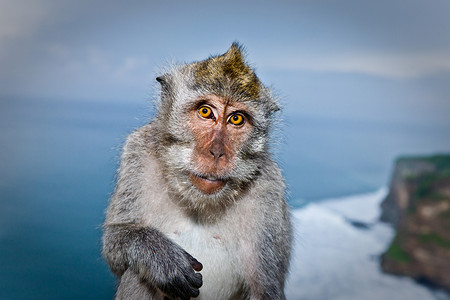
<point x="215" y="246"/>
<point x="221" y="262"/>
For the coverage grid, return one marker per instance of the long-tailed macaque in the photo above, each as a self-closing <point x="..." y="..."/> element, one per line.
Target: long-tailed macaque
<point x="198" y="190"/>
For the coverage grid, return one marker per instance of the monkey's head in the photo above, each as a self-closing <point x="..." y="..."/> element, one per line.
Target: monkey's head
<point x="213" y="120"/>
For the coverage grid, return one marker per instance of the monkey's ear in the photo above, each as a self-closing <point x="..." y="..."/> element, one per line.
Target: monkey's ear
<point x="164" y="80"/>
<point x="161" y="79"/>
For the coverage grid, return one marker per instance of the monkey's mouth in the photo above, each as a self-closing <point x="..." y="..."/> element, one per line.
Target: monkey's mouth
<point x="207" y="184"/>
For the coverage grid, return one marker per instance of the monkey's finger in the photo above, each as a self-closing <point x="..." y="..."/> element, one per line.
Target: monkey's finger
<point x="195" y="280"/>
<point x="187" y="292"/>
<point x="180" y="289"/>
<point x="196" y="265"/>
<point x="192" y="291"/>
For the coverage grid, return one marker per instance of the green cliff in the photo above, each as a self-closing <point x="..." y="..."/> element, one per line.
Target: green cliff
<point x="418" y="205"/>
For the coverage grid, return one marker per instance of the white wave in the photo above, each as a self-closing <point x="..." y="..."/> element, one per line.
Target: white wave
<point x="334" y="260"/>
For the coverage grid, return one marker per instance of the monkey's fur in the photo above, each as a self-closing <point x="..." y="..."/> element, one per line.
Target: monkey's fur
<point x="191" y="187"/>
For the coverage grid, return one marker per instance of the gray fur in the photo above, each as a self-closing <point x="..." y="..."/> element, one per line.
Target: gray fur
<point x="242" y="234"/>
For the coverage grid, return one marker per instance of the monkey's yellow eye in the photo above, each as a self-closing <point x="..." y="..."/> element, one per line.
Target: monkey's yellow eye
<point x="205" y="112"/>
<point x="237" y="119"/>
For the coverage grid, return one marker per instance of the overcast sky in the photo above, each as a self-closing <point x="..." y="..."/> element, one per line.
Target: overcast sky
<point x="332" y="54"/>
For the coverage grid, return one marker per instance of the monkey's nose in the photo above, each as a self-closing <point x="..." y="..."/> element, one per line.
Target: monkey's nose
<point x="217" y="153"/>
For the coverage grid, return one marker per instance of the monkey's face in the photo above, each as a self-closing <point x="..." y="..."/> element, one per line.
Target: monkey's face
<point x="219" y="128"/>
<point x="214" y="148"/>
<point x="213" y="123"/>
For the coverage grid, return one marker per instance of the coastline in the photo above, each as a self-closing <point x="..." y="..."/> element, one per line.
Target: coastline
<point x="337" y="250"/>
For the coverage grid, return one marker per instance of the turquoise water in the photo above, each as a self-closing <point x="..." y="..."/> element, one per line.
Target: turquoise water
<point x="57" y="166"/>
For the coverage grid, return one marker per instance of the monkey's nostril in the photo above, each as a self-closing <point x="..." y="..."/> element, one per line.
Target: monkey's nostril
<point x="216" y="154"/>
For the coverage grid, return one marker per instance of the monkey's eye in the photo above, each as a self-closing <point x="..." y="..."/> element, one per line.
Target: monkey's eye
<point x="205" y="112"/>
<point x="236" y="119"/>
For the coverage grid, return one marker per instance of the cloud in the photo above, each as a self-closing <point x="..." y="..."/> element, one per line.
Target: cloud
<point x="44" y="43"/>
<point x="131" y="65"/>
<point x="110" y="66"/>
<point x="20" y="18"/>
<point x="391" y="65"/>
<point x="88" y="71"/>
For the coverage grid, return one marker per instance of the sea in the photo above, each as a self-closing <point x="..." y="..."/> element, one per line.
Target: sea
<point x="58" y="159"/>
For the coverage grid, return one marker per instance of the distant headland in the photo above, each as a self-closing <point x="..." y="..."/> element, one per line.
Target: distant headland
<point x="418" y="205"/>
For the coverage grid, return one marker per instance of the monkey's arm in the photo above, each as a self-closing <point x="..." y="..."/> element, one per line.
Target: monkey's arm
<point x="128" y="245"/>
<point x="152" y="256"/>
<point x="273" y="246"/>
<point x="273" y="256"/>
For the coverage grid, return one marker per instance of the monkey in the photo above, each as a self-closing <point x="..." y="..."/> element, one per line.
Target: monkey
<point x="199" y="209"/>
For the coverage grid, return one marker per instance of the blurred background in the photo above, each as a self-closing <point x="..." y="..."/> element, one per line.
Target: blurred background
<point x="361" y="84"/>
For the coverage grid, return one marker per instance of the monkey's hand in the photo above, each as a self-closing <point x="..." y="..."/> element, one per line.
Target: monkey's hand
<point x="155" y="258"/>
<point x="172" y="271"/>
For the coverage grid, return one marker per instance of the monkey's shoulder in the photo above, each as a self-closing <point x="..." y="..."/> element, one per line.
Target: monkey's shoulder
<point x="270" y="181"/>
<point x="141" y="140"/>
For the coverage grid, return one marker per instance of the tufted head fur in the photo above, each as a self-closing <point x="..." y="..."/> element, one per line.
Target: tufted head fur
<point x="229" y="77"/>
<point x="228" y="73"/>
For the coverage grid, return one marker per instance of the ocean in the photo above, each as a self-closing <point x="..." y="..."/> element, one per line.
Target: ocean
<point x="57" y="169"/>
<point x="337" y="250"/>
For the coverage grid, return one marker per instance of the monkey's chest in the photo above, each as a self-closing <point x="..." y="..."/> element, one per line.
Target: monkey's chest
<point x="222" y="274"/>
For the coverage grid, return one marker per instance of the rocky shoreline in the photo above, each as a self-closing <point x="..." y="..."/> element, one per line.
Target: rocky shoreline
<point x="418" y="206"/>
